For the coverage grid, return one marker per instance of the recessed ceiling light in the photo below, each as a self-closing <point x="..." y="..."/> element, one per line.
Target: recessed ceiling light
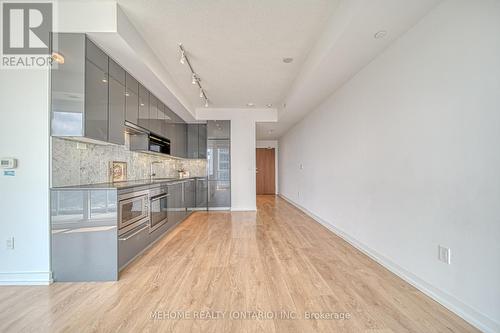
<point x="250" y="104"/>
<point x="287" y="60"/>
<point x="380" y="34"/>
<point x="269" y="105"/>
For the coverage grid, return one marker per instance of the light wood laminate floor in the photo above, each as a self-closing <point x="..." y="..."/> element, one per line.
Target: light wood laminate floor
<point x="240" y="263"/>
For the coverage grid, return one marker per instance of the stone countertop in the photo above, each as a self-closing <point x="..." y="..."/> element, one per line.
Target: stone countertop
<point x="124" y="185"/>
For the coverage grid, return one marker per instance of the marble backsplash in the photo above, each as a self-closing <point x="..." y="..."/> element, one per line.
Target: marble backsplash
<point x="76" y="163"/>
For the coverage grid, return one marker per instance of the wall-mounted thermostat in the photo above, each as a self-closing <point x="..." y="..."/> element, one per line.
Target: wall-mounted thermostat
<point x="8" y="163"/>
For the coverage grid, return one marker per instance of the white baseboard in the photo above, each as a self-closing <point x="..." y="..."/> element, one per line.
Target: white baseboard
<point x="25" y="278"/>
<point x="474" y="317"/>
<point x="243" y="209"/>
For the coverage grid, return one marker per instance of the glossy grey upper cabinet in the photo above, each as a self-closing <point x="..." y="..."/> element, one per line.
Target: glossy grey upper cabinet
<point x="219" y="129"/>
<point x="96" y="93"/>
<point x="116" y="122"/>
<point x="162" y="119"/>
<point x="117" y="72"/>
<point x="68" y="86"/>
<point x="96" y="102"/>
<point x="153" y="114"/>
<point x="143" y="107"/>
<point x="80" y="90"/>
<point x="182" y="138"/>
<point x="192" y="141"/>
<point x="132" y="99"/>
<point x="196" y="141"/>
<point x="202" y="141"/>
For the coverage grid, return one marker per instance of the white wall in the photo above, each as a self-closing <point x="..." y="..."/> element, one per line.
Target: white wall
<point x="405" y="156"/>
<point x="243" y="182"/>
<point x="272" y="144"/>
<point x="24" y="199"/>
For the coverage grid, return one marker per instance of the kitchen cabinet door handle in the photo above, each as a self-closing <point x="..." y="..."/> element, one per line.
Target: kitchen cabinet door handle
<point x="133" y="234"/>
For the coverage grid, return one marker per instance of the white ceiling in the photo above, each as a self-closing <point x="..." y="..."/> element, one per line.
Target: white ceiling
<point x="236" y="46"/>
<point x="346" y="45"/>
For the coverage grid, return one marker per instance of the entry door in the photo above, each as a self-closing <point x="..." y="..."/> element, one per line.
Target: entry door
<point x="265" y="171"/>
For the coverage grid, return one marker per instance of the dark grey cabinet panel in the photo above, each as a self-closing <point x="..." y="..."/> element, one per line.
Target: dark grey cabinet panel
<point x="202" y="141"/>
<point x="176" y="210"/>
<point x="219" y="194"/>
<point x="96" y="102"/>
<point x="192" y="141"/>
<point x="196" y="144"/>
<point x="153" y="114"/>
<point x="132" y="99"/>
<point x="96" y="55"/>
<point x="68" y="86"/>
<point x="178" y="143"/>
<point x="162" y="119"/>
<point x="116" y="72"/>
<point x="218" y="129"/>
<point x="131" y="244"/>
<point x="131" y="84"/>
<point x="116" y="112"/>
<point x="219" y="160"/>
<point x="201" y="192"/>
<point x="143" y="107"/>
<point x="190" y="194"/>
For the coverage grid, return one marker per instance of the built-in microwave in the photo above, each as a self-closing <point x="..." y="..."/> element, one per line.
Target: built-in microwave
<point x="133" y="210"/>
<point x="158" y="144"/>
<point x="148" y="142"/>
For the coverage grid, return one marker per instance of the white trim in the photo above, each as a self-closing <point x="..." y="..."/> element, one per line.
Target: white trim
<point x="474" y="317"/>
<point x="243" y="209"/>
<point x="25" y="278"/>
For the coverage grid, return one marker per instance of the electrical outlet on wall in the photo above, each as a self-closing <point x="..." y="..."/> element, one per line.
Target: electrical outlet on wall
<point x="10" y="243"/>
<point x="444" y="254"/>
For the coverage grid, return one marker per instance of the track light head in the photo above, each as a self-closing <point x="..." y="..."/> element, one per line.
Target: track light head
<point x="206" y="102"/>
<point x="194" y="79"/>
<point x="202" y="93"/>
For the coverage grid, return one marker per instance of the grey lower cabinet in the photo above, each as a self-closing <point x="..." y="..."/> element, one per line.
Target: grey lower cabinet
<point x="90" y="255"/>
<point x="219" y="194"/>
<point x="130" y="245"/>
<point x="190" y="194"/>
<point x="176" y="210"/>
<point x="201" y="193"/>
<point x="101" y="252"/>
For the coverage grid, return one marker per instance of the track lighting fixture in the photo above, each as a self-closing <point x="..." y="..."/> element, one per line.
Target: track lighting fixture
<point x="195" y="79"/>
<point x="183" y="57"/>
